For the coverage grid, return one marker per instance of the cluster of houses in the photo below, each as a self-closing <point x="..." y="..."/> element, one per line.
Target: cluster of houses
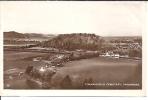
<point x="113" y="55"/>
<point x="56" y="60"/>
<point x="110" y="54"/>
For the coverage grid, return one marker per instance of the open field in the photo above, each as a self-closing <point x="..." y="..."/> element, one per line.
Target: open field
<point x="13" y="59"/>
<point x="101" y="70"/>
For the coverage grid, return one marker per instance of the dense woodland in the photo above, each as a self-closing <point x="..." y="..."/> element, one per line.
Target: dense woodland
<point x="75" y="41"/>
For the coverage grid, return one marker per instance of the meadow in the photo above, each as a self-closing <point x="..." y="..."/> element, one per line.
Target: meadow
<point x="100" y="70"/>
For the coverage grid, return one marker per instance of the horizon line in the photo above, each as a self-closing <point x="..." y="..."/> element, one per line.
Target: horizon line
<point x="74" y="33"/>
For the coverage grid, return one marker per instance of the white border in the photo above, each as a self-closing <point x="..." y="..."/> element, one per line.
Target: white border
<point x="5" y="92"/>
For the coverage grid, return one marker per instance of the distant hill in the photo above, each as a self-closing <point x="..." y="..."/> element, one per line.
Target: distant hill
<point x="14" y="35"/>
<point x="110" y="38"/>
<point x="75" y="41"/>
<point x="35" y="35"/>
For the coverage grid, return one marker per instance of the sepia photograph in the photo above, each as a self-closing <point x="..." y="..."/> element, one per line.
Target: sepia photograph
<point x="72" y="46"/>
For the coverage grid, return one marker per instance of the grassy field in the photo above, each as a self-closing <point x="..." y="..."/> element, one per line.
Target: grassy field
<point x="101" y="70"/>
<point x="21" y="60"/>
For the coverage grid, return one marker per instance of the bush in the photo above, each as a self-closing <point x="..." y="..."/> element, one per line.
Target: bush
<point x="135" y="53"/>
<point x="66" y="83"/>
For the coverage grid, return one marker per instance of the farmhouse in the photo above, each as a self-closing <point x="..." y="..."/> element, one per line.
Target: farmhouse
<point x="110" y="54"/>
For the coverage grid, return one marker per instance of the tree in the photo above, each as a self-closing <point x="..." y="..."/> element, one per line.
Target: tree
<point x="135" y="53"/>
<point x="66" y="83"/>
<point x="29" y="69"/>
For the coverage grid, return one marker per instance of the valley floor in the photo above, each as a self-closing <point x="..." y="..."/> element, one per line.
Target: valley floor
<point x="105" y="73"/>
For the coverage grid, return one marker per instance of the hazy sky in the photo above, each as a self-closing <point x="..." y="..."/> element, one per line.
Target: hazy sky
<point x="102" y="18"/>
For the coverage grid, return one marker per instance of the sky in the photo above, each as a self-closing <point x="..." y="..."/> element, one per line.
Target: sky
<point x="102" y="18"/>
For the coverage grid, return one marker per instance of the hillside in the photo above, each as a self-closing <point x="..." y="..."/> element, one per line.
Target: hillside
<point x="75" y="41"/>
<point x="122" y="38"/>
<point x="14" y="35"/>
<point x="37" y="35"/>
